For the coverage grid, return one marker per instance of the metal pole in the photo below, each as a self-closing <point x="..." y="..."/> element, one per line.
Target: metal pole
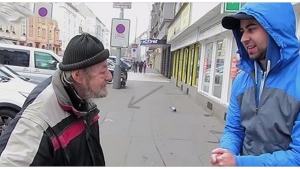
<point x="117" y="70"/>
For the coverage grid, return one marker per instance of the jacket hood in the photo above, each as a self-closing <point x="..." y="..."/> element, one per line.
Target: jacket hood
<point x="278" y="19"/>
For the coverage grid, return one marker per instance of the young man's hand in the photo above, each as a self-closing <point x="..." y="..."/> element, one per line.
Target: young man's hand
<point x="222" y="157"/>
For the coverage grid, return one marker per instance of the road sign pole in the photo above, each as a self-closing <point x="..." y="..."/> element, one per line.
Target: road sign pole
<point x="117" y="70"/>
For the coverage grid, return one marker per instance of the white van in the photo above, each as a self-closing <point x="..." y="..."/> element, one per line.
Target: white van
<point x="33" y="63"/>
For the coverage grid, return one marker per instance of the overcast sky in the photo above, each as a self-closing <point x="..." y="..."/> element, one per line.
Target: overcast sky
<point x="140" y="10"/>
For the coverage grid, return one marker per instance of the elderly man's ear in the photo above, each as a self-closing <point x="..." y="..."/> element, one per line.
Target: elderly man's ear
<point x="77" y="75"/>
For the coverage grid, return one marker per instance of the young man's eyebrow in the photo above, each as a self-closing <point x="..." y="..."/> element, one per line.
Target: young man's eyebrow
<point x="250" y="24"/>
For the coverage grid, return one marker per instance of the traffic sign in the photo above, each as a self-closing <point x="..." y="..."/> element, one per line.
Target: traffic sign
<point x="43" y="10"/>
<point x="124" y="5"/>
<point x="120" y="29"/>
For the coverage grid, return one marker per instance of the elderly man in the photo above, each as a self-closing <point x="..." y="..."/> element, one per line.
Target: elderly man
<point x="58" y="124"/>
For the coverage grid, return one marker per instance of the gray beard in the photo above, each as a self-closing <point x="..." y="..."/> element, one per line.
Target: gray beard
<point x="87" y="93"/>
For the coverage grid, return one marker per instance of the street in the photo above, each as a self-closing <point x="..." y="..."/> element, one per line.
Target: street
<point x="154" y="135"/>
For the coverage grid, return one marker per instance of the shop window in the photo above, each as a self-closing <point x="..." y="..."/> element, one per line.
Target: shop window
<point x="207" y="67"/>
<point x="219" y="68"/>
<point x="174" y="63"/>
<point x="185" y="65"/>
<point x="192" y="54"/>
<point x="197" y="65"/>
<point x="234" y="71"/>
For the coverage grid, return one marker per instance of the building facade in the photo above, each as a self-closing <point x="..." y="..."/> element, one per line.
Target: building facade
<point x="69" y="20"/>
<point x="14" y="33"/>
<point x="106" y="39"/>
<point x="205" y="54"/>
<point x="162" y="15"/>
<point x="100" y="30"/>
<point x="43" y="33"/>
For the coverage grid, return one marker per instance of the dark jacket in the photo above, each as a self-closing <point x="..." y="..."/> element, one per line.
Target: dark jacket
<point x="53" y="130"/>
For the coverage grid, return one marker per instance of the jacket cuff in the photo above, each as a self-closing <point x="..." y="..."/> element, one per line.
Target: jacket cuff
<point x="247" y="161"/>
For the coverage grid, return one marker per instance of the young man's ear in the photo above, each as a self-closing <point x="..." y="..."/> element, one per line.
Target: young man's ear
<point x="77" y="76"/>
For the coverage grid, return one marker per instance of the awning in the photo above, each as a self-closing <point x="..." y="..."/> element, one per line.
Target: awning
<point x="154" y="43"/>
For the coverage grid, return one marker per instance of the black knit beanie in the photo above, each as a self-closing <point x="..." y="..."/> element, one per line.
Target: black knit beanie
<point x="83" y="51"/>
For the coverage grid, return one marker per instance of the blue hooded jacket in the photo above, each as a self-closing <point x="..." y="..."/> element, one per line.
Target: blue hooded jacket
<point x="263" y="122"/>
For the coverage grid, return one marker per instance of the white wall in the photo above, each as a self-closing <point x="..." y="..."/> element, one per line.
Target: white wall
<point x="66" y="18"/>
<point x="91" y="25"/>
<point x="80" y="22"/>
<point x="199" y="9"/>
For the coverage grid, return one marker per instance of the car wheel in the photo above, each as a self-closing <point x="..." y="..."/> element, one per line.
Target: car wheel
<point x="5" y="116"/>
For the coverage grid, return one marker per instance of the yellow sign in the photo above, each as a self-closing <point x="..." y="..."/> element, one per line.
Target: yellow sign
<point x="180" y="23"/>
<point x="185" y="17"/>
<point x="170" y="33"/>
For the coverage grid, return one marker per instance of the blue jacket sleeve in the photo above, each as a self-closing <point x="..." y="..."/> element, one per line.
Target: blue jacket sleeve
<point x="290" y="157"/>
<point x="233" y="136"/>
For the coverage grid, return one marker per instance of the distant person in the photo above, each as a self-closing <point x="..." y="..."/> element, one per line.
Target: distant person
<point x="151" y="63"/>
<point x="141" y="64"/>
<point x="135" y="65"/>
<point x="145" y="66"/>
<point x="58" y="124"/>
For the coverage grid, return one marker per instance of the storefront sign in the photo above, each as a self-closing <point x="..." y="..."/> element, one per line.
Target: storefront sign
<point x="152" y="41"/>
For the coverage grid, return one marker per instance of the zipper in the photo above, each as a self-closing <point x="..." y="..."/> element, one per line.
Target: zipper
<point x="262" y="83"/>
<point x="86" y="120"/>
<point x="87" y="136"/>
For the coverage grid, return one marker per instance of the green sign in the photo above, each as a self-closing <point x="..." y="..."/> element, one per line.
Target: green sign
<point x="232" y="7"/>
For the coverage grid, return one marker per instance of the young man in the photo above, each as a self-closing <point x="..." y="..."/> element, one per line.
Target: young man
<point x="263" y="122"/>
<point x="58" y="124"/>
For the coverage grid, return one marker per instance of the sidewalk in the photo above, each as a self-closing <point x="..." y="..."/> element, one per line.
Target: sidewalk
<point x="154" y="135"/>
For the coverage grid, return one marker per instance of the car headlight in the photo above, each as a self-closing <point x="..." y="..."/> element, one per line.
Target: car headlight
<point x="24" y="94"/>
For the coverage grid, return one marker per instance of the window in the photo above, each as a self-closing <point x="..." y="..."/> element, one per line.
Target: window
<point x="23" y="28"/>
<point x="219" y="67"/>
<point x="45" y="61"/>
<point x="197" y="60"/>
<point x="39" y="31"/>
<point x="192" y="49"/>
<point x="50" y="35"/>
<point x="207" y="66"/>
<point x="233" y="69"/>
<point x="14" y="57"/>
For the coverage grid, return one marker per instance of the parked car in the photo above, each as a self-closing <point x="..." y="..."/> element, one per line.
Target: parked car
<point x="8" y="72"/>
<point x="13" y="93"/>
<point x="33" y="63"/>
<point x="123" y="64"/>
<point x="111" y="68"/>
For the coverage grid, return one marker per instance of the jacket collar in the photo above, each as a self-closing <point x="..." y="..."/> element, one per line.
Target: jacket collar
<point x="68" y="99"/>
